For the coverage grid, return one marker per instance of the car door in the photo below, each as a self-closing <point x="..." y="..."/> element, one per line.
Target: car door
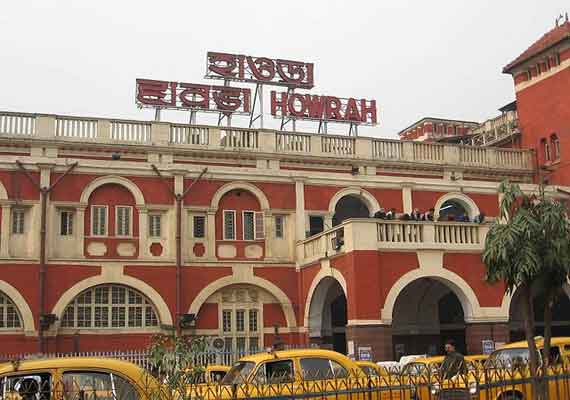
<point x="275" y="378"/>
<point x="27" y="386"/>
<point x="97" y="385"/>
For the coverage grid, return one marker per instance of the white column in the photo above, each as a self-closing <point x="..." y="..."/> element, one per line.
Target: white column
<point x="407" y="199"/>
<point x="269" y="232"/>
<point x="211" y="234"/>
<point x="5" y="231"/>
<point x="81" y="230"/>
<point x="300" y="219"/>
<point x="143" y="232"/>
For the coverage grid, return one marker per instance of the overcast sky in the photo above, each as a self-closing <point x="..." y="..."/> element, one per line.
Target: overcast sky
<point x="416" y="58"/>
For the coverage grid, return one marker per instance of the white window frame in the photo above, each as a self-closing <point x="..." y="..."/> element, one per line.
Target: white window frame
<point x="256" y="235"/>
<point x="108" y="305"/>
<point x="150" y="230"/>
<point x="224" y="225"/>
<point x="247" y="334"/>
<point x="69" y="228"/>
<point x="106" y="233"/>
<point x="130" y="208"/>
<point x="7" y="305"/>
<point x="21" y="221"/>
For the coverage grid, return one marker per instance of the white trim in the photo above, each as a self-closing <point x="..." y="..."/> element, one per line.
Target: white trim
<point x="119" y="180"/>
<point x="274" y="290"/>
<point x="356" y="191"/>
<point x="26" y="316"/>
<point x="70" y="211"/>
<point x="466" y="201"/>
<point x="228" y="187"/>
<point x="92" y="211"/>
<point x="224" y="225"/>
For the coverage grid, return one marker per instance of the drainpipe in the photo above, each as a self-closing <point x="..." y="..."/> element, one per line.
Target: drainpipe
<point x="44" y="194"/>
<point x="178" y="197"/>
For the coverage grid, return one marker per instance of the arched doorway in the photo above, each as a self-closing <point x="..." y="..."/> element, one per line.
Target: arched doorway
<point x="426" y="313"/>
<point x="328" y="315"/>
<point x="560" y="316"/>
<point x="350" y="206"/>
<point x="452" y="210"/>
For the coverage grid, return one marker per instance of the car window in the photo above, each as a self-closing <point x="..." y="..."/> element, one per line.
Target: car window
<point x="555" y="356"/>
<point x="275" y="372"/>
<point x="321" y="368"/>
<point x="217" y="376"/>
<point x="26" y="387"/>
<point x="238" y="373"/>
<point x="90" y="385"/>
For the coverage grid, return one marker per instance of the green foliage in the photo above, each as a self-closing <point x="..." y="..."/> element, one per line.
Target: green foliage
<point x="173" y="359"/>
<point x="530" y="244"/>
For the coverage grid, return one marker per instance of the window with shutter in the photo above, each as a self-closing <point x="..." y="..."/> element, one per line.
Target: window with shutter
<point x="123" y="221"/>
<point x="99" y="220"/>
<point x="199" y="225"/>
<point x="248" y="225"/>
<point x="154" y="225"/>
<point x="66" y="225"/>
<point x="279" y="226"/>
<point x="259" y="226"/>
<point x="229" y="225"/>
<point x="18" y="219"/>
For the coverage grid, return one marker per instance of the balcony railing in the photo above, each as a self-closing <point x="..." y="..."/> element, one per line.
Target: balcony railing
<point x="496" y="130"/>
<point x="384" y="235"/>
<point x="290" y="144"/>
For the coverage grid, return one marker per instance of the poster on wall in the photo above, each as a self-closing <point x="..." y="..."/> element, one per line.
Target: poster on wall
<point x="488" y="346"/>
<point x="365" y="353"/>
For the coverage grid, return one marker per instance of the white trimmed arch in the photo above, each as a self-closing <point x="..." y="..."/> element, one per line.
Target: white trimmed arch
<point x="461" y="198"/>
<point x="321" y="275"/>
<point x="3" y="192"/>
<point x="164" y="316"/>
<point x="119" y="180"/>
<point x="246" y="280"/>
<point x="355" y="191"/>
<point x="228" y="187"/>
<point x="21" y="304"/>
<point x="464" y="292"/>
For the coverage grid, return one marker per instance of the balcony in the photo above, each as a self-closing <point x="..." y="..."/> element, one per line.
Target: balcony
<point x="395" y="235"/>
<point x="181" y="138"/>
<point x="496" y="130"/>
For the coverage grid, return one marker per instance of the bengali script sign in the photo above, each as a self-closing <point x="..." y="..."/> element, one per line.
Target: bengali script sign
<point x="294" y="74"/>
<point x="192" y="96"/>
<point x="329" y="108"/>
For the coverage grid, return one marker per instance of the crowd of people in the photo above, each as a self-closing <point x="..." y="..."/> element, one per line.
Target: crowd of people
<point x="429" y="215"/>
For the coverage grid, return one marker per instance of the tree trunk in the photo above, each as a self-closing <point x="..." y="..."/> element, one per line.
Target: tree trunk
<point x="528" y="317"/>
<point x="549" y="302"/>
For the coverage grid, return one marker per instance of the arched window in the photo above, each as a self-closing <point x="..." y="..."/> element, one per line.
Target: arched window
<point x="545" y="150"/>
<point x="555" y="143"/>
<point x="9" y="316"/>
<point x="453" y="210"/>
<point x="110" y="306"/>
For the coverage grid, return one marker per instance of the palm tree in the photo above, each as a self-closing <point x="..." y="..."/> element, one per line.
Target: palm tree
<point x="528" y="249"/>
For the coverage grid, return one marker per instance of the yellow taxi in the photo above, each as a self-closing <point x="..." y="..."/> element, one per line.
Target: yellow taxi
<point x="422" y="373"/>
<point x="372" y="369"/>
<point x="298" y="372"/>
<point x="74" y="378"/>
<point x="505" y="374"/>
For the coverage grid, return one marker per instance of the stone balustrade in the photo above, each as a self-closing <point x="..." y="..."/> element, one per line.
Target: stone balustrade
<point x="181" y="136"/>
<point x="389" y="235"/>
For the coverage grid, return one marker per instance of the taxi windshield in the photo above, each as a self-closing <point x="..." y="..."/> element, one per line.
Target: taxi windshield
<point x="414" y="369"/>
<point x="238" y="373"/>
<point x="507" y="358"/>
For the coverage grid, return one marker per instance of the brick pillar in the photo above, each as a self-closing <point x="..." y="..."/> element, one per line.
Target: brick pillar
<point x="379" y="337"/>
<point x="476" y="333"/>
